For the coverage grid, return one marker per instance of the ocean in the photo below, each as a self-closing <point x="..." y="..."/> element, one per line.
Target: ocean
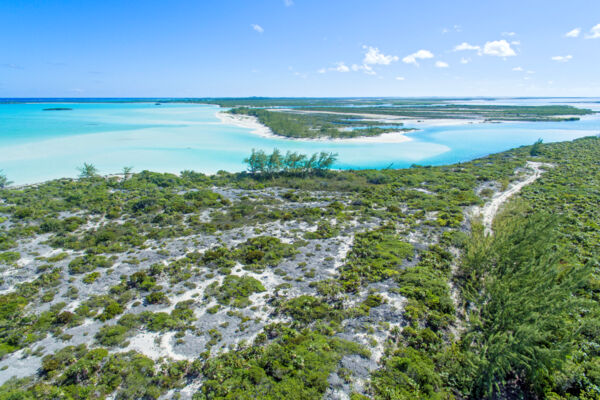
<point x="38" y="145"/>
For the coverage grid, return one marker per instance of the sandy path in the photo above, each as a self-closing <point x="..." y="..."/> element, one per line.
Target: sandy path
<point x="490" y="209"/>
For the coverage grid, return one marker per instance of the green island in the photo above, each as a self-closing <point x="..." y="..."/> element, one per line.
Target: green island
<point x="293" y="281"/>
<point x="343" y="118"/>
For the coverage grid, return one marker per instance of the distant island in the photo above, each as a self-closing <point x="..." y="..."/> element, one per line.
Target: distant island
<point x="345" y="118"/>
<point x="57" y="109"/>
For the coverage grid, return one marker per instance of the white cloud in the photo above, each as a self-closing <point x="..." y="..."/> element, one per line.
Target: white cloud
<point x="288" y="3"/>
<point x="466" y="46"/>
<point x="374" y="56"/>
<point x="515" y="42"/>
<point x="341" y="67"/>
<point x="367" y="69"/>
<point x="441" y="64"/>
<point x="498" y="48"/>
<point x="455" y="28"/>
<point x="573" y="33"/>
<point x="464" y="60"/>
<point x="508" y="34"/>
<point x="518" y="69"/>
<point x="257" y="28"/>
<point x="399" y="78"/>
<point x="594" y="33"/>
<point x="562" y="58"/>
<point x="419" y="55"/>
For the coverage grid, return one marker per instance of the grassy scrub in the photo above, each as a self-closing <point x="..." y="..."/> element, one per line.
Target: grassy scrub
<point x="370" y="283"/>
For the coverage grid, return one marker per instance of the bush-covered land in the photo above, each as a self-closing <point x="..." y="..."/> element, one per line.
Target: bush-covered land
<point x="313" y="125"/>
<point x="340" y="119"/>
<point x="461" y="111"/>
<point x="306" y="284"/>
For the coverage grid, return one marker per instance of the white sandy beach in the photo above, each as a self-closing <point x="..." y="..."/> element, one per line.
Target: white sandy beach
<point x="250" y="122"/>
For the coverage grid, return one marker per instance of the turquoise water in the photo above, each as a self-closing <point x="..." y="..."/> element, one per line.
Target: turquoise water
<point x="37" y="145"/>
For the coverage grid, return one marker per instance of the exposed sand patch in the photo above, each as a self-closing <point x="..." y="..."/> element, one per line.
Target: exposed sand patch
<point x="155" y="345"/>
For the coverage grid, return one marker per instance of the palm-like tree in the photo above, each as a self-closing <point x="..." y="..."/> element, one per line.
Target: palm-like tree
<point x="87" y="171"/>
<point x="4" y="180"/>
<point x="127" y="171"/>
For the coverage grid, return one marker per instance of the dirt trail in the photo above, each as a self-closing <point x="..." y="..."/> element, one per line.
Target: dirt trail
<point x="490" y="209"/>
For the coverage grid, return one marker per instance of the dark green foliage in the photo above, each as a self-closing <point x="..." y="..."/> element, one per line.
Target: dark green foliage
<point x="291" y="163"/>
<point x="376" y="255"/>
<point x="157" y="298"/>
<point x="295" y="366"/>
<point x="91" y="278"/>
<point x="19" y="328"/>
<point x="307" y="309"/>
<point x="426" y="288"/>
<point x="324" y="231"/>
<point x="409" y="374"/>
<point x="87" y="171"/>
<point x="88" y="263"/>
<point x="69" y="224"/>
<point x="112" y="335"/>
<point x="520" y="294"/>
<point x="140" y="280"/>
<point x="78" y="373"/>
<point x="468" y="111"/>
<point x="262" y="251"/>
<point x="536" y="149"/>
<point x="220" y="257"/>
<point x="234" y="290"/>
<point x="11" y="309"/>
<point x="9" y="257"/>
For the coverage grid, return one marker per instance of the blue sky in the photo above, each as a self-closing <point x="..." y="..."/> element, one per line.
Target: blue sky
<point x="198" y="48"/>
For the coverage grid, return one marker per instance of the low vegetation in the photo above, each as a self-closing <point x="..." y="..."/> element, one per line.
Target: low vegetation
<point x="272" y="283"/>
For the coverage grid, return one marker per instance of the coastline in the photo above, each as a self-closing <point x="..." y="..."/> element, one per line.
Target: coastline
<point x="250" y="122"/>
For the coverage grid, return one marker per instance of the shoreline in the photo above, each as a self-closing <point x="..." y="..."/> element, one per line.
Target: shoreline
<point x="250" y="122"/>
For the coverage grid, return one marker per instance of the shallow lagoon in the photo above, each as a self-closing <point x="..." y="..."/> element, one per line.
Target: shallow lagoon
<point x="37" y="145"/>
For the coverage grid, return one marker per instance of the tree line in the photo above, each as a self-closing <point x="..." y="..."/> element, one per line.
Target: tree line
<point x="292" y="162"/>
